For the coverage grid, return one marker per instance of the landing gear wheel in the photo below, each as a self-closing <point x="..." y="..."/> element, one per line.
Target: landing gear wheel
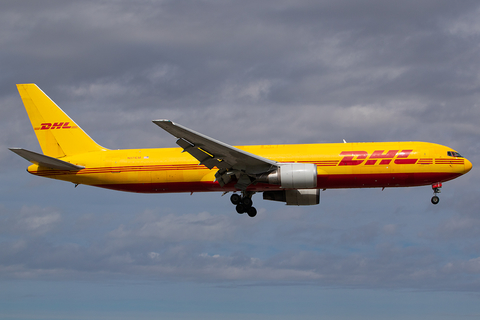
<point x="240" y="208"/>
<point x="235" y="198"/>
<point x="252" y="212"/>
<point x="247" y="202"/>
<point x="243" y="203"/>
<point x="436" y="189"/>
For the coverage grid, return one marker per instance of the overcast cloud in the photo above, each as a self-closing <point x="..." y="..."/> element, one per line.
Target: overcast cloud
<point x="244" y="72"/>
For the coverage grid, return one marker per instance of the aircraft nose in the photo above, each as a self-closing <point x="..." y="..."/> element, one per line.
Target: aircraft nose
<point x="468" y="166"/>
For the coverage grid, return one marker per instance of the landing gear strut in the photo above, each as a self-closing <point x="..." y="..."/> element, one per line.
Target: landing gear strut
<point x="436" y="189"/>
<point x="244" y="203"/>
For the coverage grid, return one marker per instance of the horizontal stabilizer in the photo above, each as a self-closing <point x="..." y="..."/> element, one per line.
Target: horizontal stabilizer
<point x="45" y="161"/>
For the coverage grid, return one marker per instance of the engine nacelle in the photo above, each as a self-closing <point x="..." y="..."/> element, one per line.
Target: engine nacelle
<point x="293" y="176"/>
<point x="294" y="197"/>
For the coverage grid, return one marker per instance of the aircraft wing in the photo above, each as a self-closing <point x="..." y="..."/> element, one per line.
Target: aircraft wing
<point x="45" y="161"/>
<point x="213" y="153"/>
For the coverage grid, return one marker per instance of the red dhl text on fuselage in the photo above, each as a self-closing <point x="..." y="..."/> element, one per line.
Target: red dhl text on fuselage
<point x="340" y="165"/>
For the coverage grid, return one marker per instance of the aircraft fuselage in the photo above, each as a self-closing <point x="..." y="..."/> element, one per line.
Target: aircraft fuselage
<point x="339" y="165"/>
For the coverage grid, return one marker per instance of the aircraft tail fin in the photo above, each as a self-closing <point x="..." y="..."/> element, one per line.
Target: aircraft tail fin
<point x="56" y="132"/>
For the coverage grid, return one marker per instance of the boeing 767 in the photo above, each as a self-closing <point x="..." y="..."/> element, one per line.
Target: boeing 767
<point x="293" y="173"/>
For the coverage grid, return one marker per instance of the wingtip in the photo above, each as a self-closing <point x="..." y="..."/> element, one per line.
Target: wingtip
<point x="162" y="120"/>
<point x="15" y="149"/>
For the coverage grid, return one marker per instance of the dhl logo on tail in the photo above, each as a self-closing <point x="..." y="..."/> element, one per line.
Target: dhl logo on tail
<point x="55" y="125"/>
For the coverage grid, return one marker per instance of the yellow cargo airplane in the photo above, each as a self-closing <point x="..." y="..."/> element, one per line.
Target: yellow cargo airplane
<point x="293" y="174"/>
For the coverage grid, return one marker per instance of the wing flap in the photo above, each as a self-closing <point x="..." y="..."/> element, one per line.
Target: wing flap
<point x="45" y="161"/>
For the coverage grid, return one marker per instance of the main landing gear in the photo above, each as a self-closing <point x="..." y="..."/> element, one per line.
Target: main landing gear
<point x="244" y="203"/>
<point x="436" y="189"/>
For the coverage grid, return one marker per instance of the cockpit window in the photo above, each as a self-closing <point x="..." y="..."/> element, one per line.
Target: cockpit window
<point x="454" y="154"/>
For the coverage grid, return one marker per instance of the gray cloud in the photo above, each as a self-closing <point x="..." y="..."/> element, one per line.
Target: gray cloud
<point x="218" y="248"/>
<point x="248" y="72"/>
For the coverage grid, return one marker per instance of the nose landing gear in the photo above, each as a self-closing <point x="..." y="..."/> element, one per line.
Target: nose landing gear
<point x="436" y="189"/>
<point x="244" y="204"/>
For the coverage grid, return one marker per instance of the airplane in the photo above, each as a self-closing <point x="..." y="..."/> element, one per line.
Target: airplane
<point x="292" y="173"/>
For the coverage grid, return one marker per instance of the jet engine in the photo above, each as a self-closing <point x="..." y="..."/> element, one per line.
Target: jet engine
<point x="292" y="176"/>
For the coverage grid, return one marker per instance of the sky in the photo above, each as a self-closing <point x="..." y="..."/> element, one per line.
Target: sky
<point x="243" y="72"/>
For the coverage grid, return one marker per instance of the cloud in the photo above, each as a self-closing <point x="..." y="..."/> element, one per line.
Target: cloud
<point x="30" y="221"/>
<point x="174" y="228"/>
<point x="339" y="71"/>
<point x="244" y="73"/>
<point x="210" y="248"/>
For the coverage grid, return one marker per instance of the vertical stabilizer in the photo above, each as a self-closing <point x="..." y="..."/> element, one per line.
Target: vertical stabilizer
<point x="57" y="134"/>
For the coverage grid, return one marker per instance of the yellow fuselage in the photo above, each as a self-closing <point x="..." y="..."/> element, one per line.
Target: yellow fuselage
<point x="339" y="165"/>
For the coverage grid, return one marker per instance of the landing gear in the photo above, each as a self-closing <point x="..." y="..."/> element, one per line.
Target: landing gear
<point x="240" y="208"/>
<point x="247" y="202"/>
<point x="252" y="212"/>
<point x="244" y="204"/>
<point x="436" y="189"/>
<point x="235" y="198"/>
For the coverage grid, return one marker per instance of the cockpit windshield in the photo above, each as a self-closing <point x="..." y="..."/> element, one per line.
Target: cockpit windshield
<point x="454" y="154"/>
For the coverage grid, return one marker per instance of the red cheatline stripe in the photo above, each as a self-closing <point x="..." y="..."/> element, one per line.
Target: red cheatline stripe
<point x="425" y="161"/>
<point x="322" y="163"/>
<point x="449" y="161"/>
<point x="318" y="161"/>
<point x="123" y="169"/>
